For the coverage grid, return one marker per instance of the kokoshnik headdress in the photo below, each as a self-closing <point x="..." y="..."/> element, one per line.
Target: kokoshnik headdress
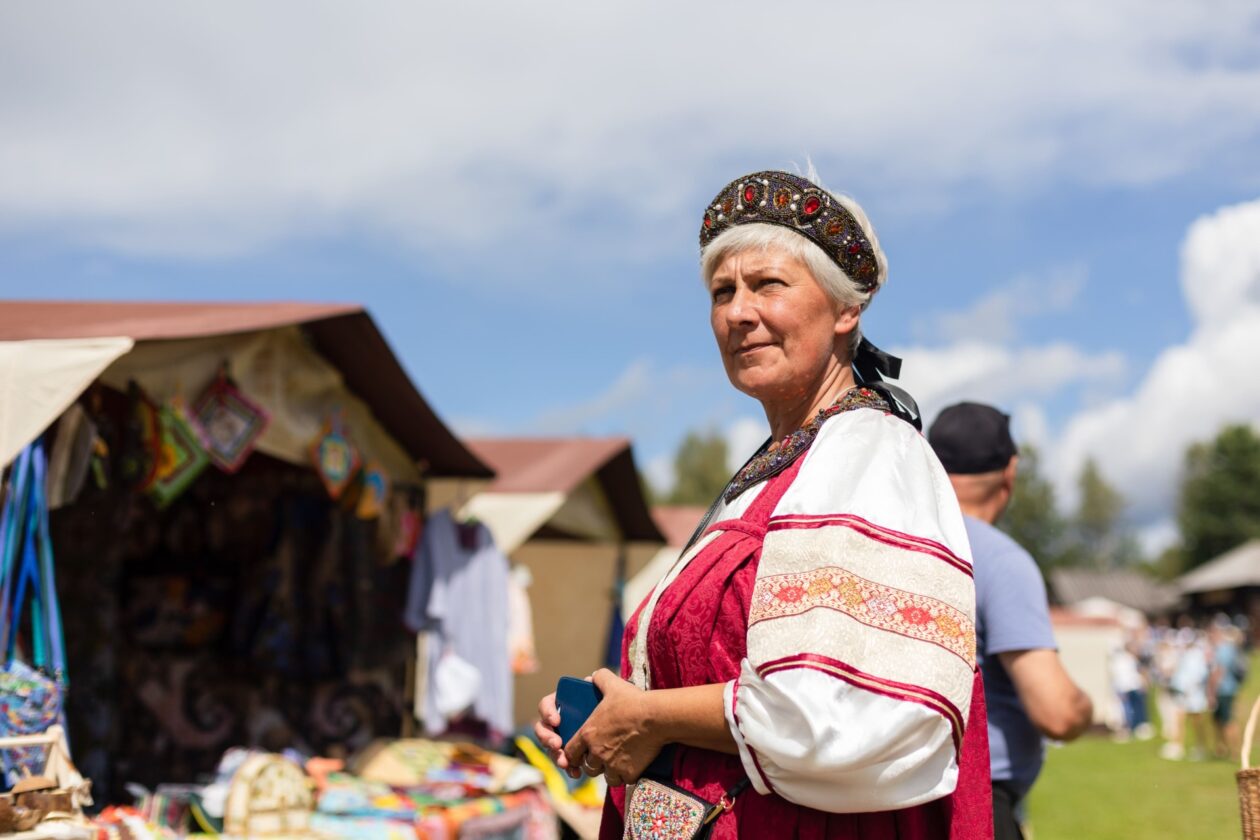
<point x="796" y="203"/>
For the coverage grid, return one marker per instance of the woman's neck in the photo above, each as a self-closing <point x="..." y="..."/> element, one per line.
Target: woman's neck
<point x="787" y="416"/>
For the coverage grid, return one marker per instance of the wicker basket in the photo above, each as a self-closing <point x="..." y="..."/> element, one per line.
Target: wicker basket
<point x="1249" y="781"/>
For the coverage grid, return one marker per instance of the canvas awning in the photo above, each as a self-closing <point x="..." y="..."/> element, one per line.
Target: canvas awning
<point x="583" y="488"/>
<point x="333" y="353"/>
<point x="39" y="380"/>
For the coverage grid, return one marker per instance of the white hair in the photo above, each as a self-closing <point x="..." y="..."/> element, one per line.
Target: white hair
<point x="764" y="236"/>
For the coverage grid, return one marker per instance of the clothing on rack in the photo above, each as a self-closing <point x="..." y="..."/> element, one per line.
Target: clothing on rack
<point x="458" y="594"/>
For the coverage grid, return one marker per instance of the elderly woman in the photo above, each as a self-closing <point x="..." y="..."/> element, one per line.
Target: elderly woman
<point x="816" y="639"/>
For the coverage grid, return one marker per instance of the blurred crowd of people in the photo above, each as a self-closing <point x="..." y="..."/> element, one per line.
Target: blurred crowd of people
<point x="1191" y="675"/>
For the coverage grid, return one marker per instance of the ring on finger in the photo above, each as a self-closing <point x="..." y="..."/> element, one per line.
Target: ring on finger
<point x="591" y="769"/>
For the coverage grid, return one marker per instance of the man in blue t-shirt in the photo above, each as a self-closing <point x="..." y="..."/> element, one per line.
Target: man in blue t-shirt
<point x="1028" y="693"/>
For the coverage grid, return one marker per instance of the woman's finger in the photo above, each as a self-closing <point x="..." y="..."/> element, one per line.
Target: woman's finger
<point x="547" y="736"/>
<point x="592" y="766"/>
<point x="605" y="680"/>
<point x="547" y="711"/>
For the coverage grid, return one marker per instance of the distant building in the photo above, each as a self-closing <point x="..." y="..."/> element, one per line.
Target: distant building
<point x="1086" y="590"/>
<point x="1229" y="584"/>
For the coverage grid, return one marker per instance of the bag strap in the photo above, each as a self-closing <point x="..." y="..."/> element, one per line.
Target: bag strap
<point x="725" y="803"/>
<point x="49" y="617"/>
<point x="52" y="609"/>
<point x="10" y="530"/>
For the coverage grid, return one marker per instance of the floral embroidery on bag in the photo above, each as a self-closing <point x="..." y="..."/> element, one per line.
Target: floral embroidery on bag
<point x="659" y="812"/>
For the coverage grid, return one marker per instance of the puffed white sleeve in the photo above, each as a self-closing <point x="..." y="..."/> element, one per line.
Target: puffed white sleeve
<point x="861" y="635"/>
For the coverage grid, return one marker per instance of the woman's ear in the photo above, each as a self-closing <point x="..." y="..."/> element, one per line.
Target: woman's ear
<point x="847" y="320"/>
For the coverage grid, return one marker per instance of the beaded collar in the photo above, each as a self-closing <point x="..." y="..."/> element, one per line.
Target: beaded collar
<point x="772" y="462"/>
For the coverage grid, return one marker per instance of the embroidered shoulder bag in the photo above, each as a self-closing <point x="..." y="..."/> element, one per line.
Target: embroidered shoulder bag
<point x="660" y="810"/>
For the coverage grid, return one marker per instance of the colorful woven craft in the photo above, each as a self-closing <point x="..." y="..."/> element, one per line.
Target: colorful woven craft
<point x="232" y="423"/>
<point x="181" y="456"/>
<point x="335" y="458"/>
<point x="374" y="493"/>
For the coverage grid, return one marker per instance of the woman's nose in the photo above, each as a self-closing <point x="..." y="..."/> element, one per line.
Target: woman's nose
<point x="742" y="308"/>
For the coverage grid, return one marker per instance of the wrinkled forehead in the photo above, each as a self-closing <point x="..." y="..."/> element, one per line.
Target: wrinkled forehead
<point x="756" y="259"/>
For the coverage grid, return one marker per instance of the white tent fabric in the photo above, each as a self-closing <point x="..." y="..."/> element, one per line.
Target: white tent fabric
<point x="39" y="379"/>
<point x="513" y="517"/>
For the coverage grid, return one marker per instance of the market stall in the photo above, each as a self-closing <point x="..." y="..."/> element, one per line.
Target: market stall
<point x="234" y="495"/>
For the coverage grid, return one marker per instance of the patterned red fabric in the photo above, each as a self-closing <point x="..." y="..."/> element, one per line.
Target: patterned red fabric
<point x="698" y="637"/>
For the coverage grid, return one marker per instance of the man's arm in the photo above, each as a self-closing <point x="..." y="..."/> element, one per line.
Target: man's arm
<point x="1054" y="703"/>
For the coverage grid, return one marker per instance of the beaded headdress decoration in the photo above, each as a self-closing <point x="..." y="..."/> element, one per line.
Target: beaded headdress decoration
<point x="781" y="198"/>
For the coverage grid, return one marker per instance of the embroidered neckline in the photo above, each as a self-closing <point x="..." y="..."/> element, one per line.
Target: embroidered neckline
<point x="773" y="462"/>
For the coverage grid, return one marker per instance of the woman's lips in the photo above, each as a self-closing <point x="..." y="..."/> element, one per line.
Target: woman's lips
<point x="751" y="348"/>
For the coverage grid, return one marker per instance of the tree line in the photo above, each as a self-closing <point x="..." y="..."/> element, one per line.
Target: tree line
<point x="1218" y="504"/>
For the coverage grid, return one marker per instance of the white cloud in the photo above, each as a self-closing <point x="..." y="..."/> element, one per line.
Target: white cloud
<point x="217" y="128"/>
<point x="1191" y="389"/>
<point x="1004" y="376"/>
<point x="996" y="316"/>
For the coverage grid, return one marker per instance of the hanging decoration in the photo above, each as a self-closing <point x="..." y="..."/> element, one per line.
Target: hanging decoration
<point x="31" y="692"/>
<point x="182" y="454"/>
<point x="231" y="421"/>
<point x="141" y="444"/>
<point x="374" y="493"/>
<point x="335" y="458"/>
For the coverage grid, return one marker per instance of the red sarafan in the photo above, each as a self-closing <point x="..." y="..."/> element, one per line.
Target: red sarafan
<point x="698" y="636"/>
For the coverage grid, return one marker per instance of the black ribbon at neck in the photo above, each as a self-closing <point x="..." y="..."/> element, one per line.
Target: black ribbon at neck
<point x="871" y="365"/>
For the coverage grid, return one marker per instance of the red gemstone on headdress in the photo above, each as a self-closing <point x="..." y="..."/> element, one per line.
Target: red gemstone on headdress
<point x="708" y="220"/>
<point x="811" y="206"/>
<point x="835" y="227"/>
<point x="782" y="198"/>
<point x="855" y="247"/>
<point x="750" y="194"/>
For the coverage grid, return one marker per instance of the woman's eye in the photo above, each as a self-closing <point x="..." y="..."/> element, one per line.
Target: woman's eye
<point x="771" y="281"/>
<point x="722" y="293"/>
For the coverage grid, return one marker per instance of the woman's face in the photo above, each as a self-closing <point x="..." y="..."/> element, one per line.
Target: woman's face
<point x="778" y="331"/>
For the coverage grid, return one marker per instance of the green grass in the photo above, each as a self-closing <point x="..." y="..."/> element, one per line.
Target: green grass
<point x="1094" y="789"/>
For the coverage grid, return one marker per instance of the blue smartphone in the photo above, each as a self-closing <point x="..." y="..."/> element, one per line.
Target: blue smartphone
<point x="575" y="700"/>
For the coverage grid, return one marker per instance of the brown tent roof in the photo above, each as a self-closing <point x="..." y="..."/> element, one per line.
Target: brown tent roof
<point x="538" y="465"/>
<point x="343" y="334"/>
<point x="678" y="522"/>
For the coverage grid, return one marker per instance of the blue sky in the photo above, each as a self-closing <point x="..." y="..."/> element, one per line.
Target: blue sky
<point x="514" y="194"/>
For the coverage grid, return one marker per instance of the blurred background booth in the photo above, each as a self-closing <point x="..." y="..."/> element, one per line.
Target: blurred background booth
<point x="235" y="491"/>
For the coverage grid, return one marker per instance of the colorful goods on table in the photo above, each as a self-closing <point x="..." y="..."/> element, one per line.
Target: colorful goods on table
<point x="414" y="790"/>
<point x="231" y="421"/>
<point x="270" y="795"/>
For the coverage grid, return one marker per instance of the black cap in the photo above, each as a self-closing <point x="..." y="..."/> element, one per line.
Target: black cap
<point x="971" y="438"/>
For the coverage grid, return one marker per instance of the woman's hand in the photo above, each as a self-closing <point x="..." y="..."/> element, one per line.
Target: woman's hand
<point x="545" y="730"/>
<point x="618" y="739"/>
